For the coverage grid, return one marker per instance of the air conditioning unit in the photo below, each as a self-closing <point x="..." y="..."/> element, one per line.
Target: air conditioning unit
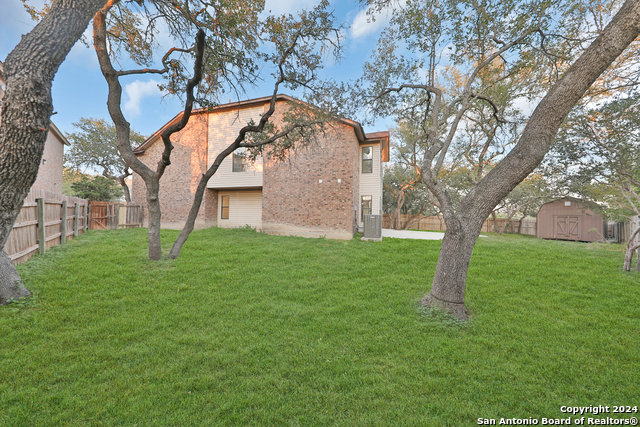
<point x="372" y="227"/>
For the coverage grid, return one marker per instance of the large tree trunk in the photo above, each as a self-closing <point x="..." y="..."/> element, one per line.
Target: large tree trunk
<point x="538" y="136"/>
<point x="28" y="72"/>
<point x="11" y="286"/>
<point x="450" y="280"/>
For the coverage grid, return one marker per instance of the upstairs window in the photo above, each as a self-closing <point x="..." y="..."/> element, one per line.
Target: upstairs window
<point x="367" y="159"/>
<point x="239" y="160"/>
<point x="365" y="207"/>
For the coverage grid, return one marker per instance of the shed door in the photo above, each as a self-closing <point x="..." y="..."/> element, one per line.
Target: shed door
<point x="567" y="227"/>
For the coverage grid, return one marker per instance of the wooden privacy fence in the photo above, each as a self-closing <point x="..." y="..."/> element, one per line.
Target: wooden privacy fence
<point x="49" y="219"/>
<point x="46" y="219"/>
<point x="436" y="223"/>
<point x="114" y="215"/>
<point x="625" y="230"/>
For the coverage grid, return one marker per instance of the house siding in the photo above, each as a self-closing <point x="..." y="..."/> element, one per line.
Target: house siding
<point x="180" y="180"/>
<point x="223" y="130"/>
<point x="371" y="183"/>
<point x="245" y="208"/>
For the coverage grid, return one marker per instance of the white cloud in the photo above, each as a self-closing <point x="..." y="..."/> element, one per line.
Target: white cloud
<point x="363" y="24"/>
<point x="525" y="106"/>
<point x="366" y="22"/>
<point x="279" y="7"/>
<point x="137" y="91"/>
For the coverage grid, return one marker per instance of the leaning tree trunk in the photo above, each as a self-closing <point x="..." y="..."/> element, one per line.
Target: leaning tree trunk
<point x="27" y="107"/>
<point x="125" y="187"/>
<point x="151" y="178"/>
<point x="537" y="137"/>
<point x="520" y="223"/>
<point x="632" y="247"/>
<point x="450" y="280"/>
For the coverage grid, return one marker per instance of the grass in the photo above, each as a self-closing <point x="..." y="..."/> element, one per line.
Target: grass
<point x="251" y="329"/>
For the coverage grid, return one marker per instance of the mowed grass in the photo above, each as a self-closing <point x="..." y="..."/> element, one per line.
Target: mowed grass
<point x="251" y="329"/>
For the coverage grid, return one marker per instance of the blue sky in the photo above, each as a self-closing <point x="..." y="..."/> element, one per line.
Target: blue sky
<point x="79" y="90"/>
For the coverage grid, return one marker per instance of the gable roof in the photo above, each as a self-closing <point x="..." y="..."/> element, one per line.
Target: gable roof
<point x="56" y="132"/>
<point x="377" y="137"/>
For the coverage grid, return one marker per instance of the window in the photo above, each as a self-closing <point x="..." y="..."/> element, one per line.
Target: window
<point x="239" y="160"/>
<point x="366" y="207"/>
<point x="224" y="207"/>
<point x="367" y="159"/>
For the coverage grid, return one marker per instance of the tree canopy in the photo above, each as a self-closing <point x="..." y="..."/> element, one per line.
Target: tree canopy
<point x="460" y="71"/>
<point x="93" y="146"/>
<point x="97" y="188"/>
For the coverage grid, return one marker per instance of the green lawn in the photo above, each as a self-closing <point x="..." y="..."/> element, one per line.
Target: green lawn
<point x="251" y="329"/>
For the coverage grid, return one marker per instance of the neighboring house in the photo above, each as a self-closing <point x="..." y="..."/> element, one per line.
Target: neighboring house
<point x="321" y="190"/>
<point x="569" y="219"/>
<point x="50" y="171"/>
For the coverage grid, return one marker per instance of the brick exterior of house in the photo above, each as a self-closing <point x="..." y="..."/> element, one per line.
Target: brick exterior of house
<point x="180" y="180"/>
<point x="50" y="171"/>
<point x="315" y="192"/>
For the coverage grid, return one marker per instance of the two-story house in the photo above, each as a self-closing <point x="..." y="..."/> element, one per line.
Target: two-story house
<point x="323" y="189"/>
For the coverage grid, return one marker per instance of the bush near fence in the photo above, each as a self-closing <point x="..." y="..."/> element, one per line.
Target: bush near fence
<point x="49" y="219"/>
<point x="436" y="223"/>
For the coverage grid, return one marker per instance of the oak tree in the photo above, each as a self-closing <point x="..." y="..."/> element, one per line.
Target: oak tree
<point x="500" y="52"/>
<point x="26" y="110"/>
<point x="93" y="146"/>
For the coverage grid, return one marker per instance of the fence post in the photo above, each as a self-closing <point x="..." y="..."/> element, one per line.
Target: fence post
<point x="83" y="225"/>
<point x="117" y="212"/>
<point x="85" y="220"/>
<point x="88" y="217"/>
<point x="41" y="228"/>
<point x="75" y="219"/>
<point x="63" y="225"/>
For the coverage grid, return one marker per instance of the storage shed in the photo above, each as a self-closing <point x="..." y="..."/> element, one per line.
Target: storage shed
<point x="569" y="219"/>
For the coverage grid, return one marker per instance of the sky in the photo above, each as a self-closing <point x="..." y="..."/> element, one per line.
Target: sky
<point x="79" y="89"/>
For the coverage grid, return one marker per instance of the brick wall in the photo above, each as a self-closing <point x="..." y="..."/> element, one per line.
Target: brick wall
<point x="50" y="171"/>
<point x="294" y="198"/>
<point x="180" y="180"/>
